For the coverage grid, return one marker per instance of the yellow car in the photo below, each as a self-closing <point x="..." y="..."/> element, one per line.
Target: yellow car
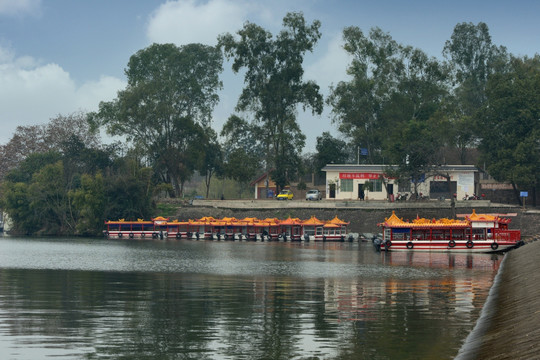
<point x="285" y="195"/>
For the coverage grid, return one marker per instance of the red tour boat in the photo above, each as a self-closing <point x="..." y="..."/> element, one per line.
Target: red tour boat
<point x="474" y="233"/>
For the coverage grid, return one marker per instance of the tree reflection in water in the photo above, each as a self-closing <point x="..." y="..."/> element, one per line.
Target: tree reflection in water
<point x="238" y="301"/>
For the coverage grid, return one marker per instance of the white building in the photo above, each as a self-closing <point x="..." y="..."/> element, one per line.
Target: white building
<point x="348" y="182"/>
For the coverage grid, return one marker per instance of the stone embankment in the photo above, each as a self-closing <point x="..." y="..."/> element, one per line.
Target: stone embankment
<point x="362" y="215"/>
<point x="509" y="327"/>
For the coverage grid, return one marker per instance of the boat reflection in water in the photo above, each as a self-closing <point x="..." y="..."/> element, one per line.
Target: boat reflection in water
<point x="443" y="260"/>
<point x="468" y="278"/>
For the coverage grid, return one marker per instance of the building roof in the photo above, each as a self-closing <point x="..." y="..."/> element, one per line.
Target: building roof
<point x="263" y="176"/>
<point x="382" y="168"/>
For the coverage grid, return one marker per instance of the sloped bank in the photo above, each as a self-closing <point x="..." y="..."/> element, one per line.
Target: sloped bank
<point x="509" y="325"/>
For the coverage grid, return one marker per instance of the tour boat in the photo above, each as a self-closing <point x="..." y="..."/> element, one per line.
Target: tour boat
<point x="230" y="228"/>
<point x="474" y="233"/>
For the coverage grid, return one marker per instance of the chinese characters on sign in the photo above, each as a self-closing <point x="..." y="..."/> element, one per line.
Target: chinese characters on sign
<point x="370" y="176"/>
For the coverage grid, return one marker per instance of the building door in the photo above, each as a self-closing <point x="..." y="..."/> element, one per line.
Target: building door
<point x="361" y="191"/>
<point x="390" y="189"/>
<point x="440" y="190"/>
<point x="332" y="191"/>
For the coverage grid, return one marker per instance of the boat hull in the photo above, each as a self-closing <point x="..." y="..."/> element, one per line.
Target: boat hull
<point x="462" y="246"/>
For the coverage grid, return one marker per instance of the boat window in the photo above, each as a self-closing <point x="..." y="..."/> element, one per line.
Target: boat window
<point x="401" y="234"/>
<point x="457" y="234"/>
<point x="309" y="230"/>
<point x="113" y="227"/>
<point x="125" y="227"/>
<point x="419" y="235"/>
<point x="479" y="234"/>
<point x="319" y="231"/>
<point x="440" y="234"/>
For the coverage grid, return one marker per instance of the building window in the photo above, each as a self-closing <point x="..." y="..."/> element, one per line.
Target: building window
<point x="404" y="186"/>
<point x="346" y="185"/>
<point x="374" y="186"/>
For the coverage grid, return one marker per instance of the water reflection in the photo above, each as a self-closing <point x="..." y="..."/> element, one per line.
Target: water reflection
<point x="234" y="300"/>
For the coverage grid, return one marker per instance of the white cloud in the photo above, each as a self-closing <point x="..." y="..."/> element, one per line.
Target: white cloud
<point x="19" y="7"/>
<point x="330" y="64"/>
<point x="185" y="21"/>
<point x="33" y="93"/>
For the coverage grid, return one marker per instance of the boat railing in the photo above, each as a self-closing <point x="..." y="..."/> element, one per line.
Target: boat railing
<point x="507" y="235"/>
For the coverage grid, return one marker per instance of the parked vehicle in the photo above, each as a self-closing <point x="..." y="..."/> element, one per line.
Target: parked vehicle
<point x="314" y="195"/>
<point x="402" y="197"/>
<point x="285" y="195"/>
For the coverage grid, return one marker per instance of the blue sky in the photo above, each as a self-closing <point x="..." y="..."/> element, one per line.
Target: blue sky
<point x="62" y="56"/>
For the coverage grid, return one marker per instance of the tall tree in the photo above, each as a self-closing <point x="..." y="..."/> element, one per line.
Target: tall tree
<point x="212" y="162"/>
<point x="510" y="124"/>
<point x="275" y="86"/>
<point x="166" y="105"/>
<point x="390" y="101"/>
<point x="357" y="104"/>
<point x="473" y="58"/>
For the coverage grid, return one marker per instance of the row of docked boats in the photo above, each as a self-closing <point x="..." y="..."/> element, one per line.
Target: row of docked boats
<point x="471" y="233"/>
<point x="230" y="228"/>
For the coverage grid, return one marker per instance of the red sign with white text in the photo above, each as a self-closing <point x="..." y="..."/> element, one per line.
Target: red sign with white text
<point x="370" y="176"/>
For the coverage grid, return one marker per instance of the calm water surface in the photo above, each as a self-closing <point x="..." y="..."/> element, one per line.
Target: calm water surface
<point x="97" y="298"/>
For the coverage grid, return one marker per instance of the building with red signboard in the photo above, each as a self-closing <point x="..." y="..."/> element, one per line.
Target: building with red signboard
<point x="371" y="182"/>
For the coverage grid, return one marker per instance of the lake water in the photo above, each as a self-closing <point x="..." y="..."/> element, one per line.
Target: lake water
<point x="127" y="299"/>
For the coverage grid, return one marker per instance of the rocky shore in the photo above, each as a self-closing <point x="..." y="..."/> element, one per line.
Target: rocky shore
<point x="509" y="327"/>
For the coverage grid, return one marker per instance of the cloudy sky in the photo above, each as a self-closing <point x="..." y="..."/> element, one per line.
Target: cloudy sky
<point x="62" y="56"/>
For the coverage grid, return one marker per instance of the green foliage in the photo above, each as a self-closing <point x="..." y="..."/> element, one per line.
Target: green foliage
<point x="49" y="193"/>
<point x="211" y="163"/>
<point x="16" y="203"/>
<point x="241" y="167"/>
<point x="68" y="193"/>
<point x="389" y="104"/>
<point x="166" y="210"/>
<point x="329" y="150"/>
<point x="275" y="87"/>
<point x="89" y="202"/>
<point x="32" y="164"/>
<point x="166" y="107"/>
<point x="510" y="123"/>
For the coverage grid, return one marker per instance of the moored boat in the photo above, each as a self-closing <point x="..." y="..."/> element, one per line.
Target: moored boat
<point x="474" y="233"/>
<point x="230" y="228"/>
<point x="139" y="229"/>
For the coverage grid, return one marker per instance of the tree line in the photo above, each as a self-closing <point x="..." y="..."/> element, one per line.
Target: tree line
<point x="399" y="105"/>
